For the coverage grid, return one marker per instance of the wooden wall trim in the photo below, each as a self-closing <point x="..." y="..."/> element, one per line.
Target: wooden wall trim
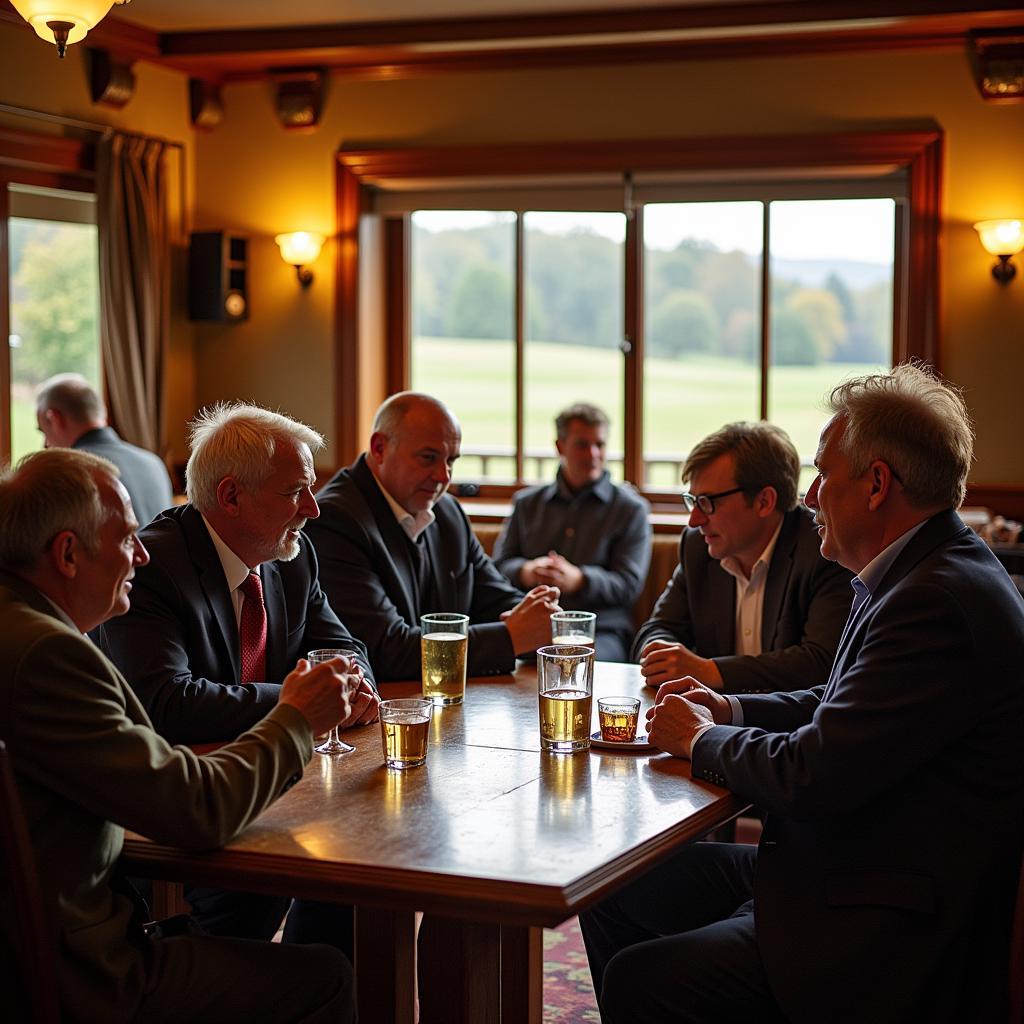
<point x="1003" y="499"/>
<point x="346" y="362"/>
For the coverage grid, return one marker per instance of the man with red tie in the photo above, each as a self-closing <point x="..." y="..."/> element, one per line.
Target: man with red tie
<point x="229" y="602"/>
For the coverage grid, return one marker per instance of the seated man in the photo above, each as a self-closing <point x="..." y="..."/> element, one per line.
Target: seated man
<point x="229" y="602"/>
<point x="393" y="546"/>
<point x="71" y="415"/>
<point x="89" y="764"/>
<point x="752" y="606"/>
<point x="884" y="884"/>
<point x="582" y="534"/>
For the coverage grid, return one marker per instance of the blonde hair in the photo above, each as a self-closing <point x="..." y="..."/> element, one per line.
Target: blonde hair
<point x="916" y="423"/>
<point x="47" y="493"/>
<point x="237" y="440"/>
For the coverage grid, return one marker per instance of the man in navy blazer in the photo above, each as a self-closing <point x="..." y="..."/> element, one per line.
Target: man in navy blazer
<point x="393" y="546"/>
<point x="884" y="883"/>
<point x="250" y="478"/>
<point x="752" y="606"/>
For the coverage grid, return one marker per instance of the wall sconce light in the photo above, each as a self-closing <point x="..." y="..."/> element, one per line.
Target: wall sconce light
<point x="1002" y="238"/>
<point x="299" y="248"/>
<point x="66" y="21"/>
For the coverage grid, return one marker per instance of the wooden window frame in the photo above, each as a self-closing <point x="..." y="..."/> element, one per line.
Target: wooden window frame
<point x="917" y="154"/>
<point x="50" y="162"/>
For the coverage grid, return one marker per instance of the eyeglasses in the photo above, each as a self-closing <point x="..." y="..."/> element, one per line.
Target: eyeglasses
<point x="706" y="502"/>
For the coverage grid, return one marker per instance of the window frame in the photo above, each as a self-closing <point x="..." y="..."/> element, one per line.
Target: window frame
<point x="361" y="173"/>
<point x="45" y="161"/>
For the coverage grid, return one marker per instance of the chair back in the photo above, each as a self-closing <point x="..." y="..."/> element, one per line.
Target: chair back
<point x="33" y="941"/>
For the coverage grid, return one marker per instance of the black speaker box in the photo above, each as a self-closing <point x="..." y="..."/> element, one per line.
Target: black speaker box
<point x="218" y="276"/>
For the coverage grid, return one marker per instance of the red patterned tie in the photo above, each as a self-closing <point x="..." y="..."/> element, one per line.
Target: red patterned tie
<point x="252" y="629"/>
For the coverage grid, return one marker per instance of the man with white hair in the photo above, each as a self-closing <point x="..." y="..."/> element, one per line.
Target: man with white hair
<point x="88" y="765"/>
<point x="229" y="602"/>
<point x="70" y="414"/>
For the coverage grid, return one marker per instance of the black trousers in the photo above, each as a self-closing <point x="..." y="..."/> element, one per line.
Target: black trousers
<point x="679" y="944"/>
<point x="247" y="915"/>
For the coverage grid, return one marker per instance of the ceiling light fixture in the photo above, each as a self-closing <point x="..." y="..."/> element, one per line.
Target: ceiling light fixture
<point x="64" y="21"/>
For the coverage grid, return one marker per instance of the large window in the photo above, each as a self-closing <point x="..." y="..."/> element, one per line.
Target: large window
<point x="678" y="299"/>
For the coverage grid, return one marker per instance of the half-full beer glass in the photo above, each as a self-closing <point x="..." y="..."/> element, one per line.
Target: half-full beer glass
<point x="443" y="643"/>
<point x="404" y="724"/>
<point x="565" y="683"/>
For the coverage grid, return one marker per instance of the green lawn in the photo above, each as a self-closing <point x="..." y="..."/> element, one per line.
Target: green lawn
<point x="25" y="436"/>
<point x="685" y="399"/>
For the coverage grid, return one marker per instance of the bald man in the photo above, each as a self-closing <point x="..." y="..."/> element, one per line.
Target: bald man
<point x="393" y="545"/>
<point x="70" y="414"/>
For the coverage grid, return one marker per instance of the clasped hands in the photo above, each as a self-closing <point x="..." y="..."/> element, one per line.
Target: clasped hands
<point x="661" y="661"/>
<point x="529" y="623"/>
<point x="552" y="570"/>
<point x="685" y="708"/>
<point x="319" y="693"/>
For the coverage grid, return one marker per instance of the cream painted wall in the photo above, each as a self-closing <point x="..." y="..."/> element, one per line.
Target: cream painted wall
<point x="252" y="175"/>
<point x="32" y="76"/>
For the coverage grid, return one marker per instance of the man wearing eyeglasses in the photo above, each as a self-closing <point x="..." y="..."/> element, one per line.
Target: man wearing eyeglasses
<point x="752" y="606"/>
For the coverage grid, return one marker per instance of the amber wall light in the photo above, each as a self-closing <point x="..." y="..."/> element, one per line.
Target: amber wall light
<point x="299" y="248"/>
<point x="64" y="21"/>
<point x="1002" y="238"/>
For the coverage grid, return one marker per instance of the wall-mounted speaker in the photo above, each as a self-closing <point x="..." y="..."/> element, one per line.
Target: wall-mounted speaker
<point x="218" y="276"/>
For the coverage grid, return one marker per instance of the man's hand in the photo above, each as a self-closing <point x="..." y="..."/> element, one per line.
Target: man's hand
<point x="365" y="703"/>
<point x="318" y="692"/>
<point x="556" y="571"/>
<point x="529" y="623"/>
<point x="674" y="724"/>
<point x="697" y="693"/>
<point x="661" y="661"/>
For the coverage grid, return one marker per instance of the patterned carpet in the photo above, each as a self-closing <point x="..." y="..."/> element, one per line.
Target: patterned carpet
<point x="568" y="992"/>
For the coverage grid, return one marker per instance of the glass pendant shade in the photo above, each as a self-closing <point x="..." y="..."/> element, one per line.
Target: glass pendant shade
<point x="75" y="17"/>
<point x="1001" y="237"/>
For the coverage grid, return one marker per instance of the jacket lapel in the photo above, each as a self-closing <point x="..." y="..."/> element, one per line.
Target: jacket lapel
<point x="779" y="571"/>
<point x="214" y="586"/>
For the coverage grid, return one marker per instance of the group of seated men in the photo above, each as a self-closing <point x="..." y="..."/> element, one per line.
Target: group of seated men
<point x="888" y="771"/>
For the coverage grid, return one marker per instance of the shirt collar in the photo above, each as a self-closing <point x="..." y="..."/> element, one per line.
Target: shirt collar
<point x="413" y="525"/>
<point x="732" y="566"/>
<point x="601" y="488"/>
<point x="871" y="575"/>
<point x="235" y="570"/>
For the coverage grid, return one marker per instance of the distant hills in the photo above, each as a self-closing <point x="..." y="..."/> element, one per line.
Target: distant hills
<point x="854" y="274"/>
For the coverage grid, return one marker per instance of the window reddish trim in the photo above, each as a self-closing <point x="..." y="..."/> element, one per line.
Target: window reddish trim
<point x="398" y="325"/>
<point x="919" y="154"/>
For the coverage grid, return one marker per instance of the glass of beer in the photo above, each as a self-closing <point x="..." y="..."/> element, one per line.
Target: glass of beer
<point x="404" y="724"/>
<point x="618" y="717"/>
<point x="565" y="682"/>
<point x="443" y="642"/>
<point x="333" y="744"/>
<point x="574" y="628"/>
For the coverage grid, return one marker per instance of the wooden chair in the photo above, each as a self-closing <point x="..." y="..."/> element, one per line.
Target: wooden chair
<point x="34" y="943"/>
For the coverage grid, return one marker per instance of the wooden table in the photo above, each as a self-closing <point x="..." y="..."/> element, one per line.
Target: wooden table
<point x="493" y="838"/>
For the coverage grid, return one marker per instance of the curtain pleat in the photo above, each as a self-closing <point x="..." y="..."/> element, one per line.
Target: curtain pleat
<point x="135" y="281"/>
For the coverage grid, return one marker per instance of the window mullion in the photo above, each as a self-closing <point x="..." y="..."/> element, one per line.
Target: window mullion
<point x="633" y="349"/>
<point x="520" y="329"/>
<point x="766" y="283"/>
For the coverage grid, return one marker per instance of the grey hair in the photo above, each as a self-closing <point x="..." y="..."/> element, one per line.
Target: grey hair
<point x="392" y="412"/>
<point x="589" y="415"/>
<point x="47" y="493"/>
<point x="237" y="440"/>
<point x="72" y="395"/>
<point x="915" y="422"/>
<point x="764" y="455"/>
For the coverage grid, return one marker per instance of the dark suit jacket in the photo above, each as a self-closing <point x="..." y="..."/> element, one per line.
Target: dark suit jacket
<point x="88" y="765"/>
<point x="367" y="572"/>
<point x="143" y="473"/>
<point x="887" y="868"/>
<point x="178" y="646"/>
<point x="806" y="602"/>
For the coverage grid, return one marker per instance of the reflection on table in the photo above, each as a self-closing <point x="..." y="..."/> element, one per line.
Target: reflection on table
<point x="492" y="836"/>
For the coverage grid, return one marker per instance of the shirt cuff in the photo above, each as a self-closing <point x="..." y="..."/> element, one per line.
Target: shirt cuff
<point x="697" y="735"/>
<point x="737" y="709"/>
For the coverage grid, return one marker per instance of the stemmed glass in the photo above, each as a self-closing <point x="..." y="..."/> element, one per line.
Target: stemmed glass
<point x="333" y="744"/>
